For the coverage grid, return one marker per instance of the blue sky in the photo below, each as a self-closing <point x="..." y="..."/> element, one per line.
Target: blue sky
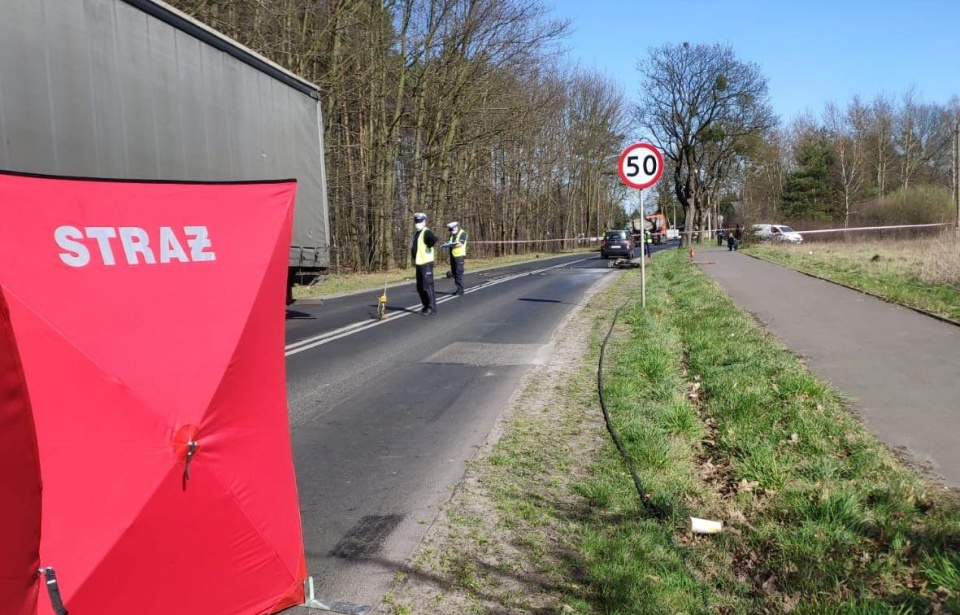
<point x="811" y="52"/>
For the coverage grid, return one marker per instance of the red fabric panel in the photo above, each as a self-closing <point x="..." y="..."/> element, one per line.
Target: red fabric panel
<point x="188" y="551"/>
<point x="257" y="465"/>
<point x="20" y="486"/>
<point x="151" y="315"/>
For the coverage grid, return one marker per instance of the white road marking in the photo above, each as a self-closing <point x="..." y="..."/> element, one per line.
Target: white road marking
<point x="329" y="336"/>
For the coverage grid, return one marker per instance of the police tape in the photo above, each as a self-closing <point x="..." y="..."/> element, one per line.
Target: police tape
<point x="713" y="231"/>
<point x="873" y="228"/>
<point x="580" y="239"/>
<point x="829" y="230"/>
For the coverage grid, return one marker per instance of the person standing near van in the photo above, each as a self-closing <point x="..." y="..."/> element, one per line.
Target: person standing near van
<point x="421" y="251"/>
<point x="458" y="253"/>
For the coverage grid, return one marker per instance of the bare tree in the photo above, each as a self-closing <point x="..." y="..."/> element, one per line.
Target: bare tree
<point x="881" y="125"/>
<point x="764" y="174"/>
<point x="700" y="104"/>
<point x="922" y="136"/>
<point x="459" y="108"/>
<point x="596" y="126"/>
<point x="847" y="132"/>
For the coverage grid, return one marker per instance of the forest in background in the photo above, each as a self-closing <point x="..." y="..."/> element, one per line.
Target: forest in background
<point x="888" y="160"/>
<point x="471" y="110"/>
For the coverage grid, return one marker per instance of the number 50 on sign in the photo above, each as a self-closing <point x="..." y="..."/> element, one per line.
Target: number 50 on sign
<point x="640" y="166"/>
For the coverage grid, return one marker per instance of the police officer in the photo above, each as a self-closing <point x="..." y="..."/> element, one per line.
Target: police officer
<point x="647" y="242"/>
<point x="458" y="252"/>
<point x="421" y="251"/>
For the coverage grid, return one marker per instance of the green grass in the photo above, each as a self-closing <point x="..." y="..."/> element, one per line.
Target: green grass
<point x="923" y="274"/>
<point x="724" y="423"/>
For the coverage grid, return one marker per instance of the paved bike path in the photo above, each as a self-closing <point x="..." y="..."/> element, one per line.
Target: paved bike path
<point x="900" y="368"/>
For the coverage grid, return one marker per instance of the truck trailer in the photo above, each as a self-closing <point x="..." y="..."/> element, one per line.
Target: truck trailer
<point x="135" y="89"/>
<point x="657" y="224"/>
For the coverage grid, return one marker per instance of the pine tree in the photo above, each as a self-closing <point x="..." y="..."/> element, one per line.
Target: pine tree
<point x="808" y="192"/>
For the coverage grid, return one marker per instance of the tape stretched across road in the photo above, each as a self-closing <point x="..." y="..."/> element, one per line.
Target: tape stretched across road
<point x="710" y="231"/>
<point x="833" y="230"/>
<point x="506" y="241"/>
<point x="874" y="228"/>
<point x="329" y="336"/>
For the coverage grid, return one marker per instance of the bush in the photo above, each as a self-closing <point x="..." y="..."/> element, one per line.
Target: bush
<point x="915" y="205"/>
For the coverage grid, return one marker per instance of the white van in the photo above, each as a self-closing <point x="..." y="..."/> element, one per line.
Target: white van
<point x="777" y="232"/>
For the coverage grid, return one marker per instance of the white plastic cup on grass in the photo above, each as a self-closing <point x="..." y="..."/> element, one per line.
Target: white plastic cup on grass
<point x="705" y="526"/>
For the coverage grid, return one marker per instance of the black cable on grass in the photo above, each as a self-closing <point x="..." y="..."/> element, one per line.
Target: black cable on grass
<point x="644" y="497"/>
<point x="648" y="505"/>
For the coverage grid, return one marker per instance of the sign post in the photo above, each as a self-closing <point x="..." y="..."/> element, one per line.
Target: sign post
<point x="641" y="166"/>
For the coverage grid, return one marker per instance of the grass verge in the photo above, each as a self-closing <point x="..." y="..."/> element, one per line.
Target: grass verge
<point x="722" y="422"/>
<point x="727" y="425"/>
<point x="923" y="274"/>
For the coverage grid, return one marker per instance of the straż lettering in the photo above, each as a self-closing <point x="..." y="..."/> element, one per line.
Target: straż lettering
<point x="81" y="246"/>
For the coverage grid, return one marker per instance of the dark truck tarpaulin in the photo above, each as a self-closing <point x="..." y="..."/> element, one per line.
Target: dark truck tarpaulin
<point x="134" y="89"/>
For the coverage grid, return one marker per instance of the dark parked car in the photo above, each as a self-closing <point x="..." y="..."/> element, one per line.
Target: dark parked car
<point x="617" y="243"/>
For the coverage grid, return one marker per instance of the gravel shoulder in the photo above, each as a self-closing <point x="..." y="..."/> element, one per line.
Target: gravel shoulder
<point x="489" y="553"/>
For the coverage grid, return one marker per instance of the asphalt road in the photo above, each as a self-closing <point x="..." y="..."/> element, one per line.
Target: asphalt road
<point x="385" y="414"/>
<point x="899" y="368"/>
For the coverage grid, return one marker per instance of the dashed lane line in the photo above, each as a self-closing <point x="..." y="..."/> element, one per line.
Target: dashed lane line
<point x="357" y="327"/>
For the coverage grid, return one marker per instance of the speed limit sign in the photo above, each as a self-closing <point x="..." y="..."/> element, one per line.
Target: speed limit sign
<point x="640" y="166"/>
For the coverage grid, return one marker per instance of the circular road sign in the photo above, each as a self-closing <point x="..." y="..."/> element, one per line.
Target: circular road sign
<point x="640" y="166"/>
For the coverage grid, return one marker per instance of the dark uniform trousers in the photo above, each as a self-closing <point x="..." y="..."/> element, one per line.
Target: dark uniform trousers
<point x="425" y="287"/>
<point x="456" y="270"/>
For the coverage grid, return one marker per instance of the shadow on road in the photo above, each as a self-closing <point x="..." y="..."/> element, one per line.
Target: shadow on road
<point x="296" y="315"/>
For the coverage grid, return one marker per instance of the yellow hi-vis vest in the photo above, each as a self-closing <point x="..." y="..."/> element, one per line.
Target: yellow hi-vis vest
<point x="458" y="251"/>
<point x="424" y="254"/>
